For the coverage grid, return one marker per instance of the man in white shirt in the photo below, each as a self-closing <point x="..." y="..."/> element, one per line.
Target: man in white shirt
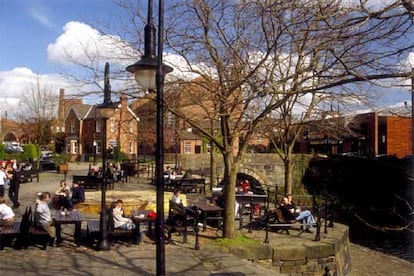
<point x="43" y="218"/>
<point x="3" y="177"/>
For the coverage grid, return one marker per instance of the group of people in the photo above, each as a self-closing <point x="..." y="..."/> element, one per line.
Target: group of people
<point x="9" y="178"/>
<point x="65" y="197"/>
<point x="291" y="212"/>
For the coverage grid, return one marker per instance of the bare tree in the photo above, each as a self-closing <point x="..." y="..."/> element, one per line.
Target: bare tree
<point x="38" y="111"/>
<point x="261" y="56"/>
<point x="253" y="57"/>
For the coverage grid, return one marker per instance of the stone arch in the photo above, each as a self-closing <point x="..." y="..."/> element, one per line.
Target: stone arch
<point x="257" y="175"/>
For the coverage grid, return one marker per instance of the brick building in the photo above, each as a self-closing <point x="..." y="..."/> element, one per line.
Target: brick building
<point x="83" y="130"/>
<point x="386" y="132"/>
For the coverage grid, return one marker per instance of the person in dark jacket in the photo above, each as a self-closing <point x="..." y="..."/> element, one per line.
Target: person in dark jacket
<point x="78" y="193"/>
<point x="289" y="213"/>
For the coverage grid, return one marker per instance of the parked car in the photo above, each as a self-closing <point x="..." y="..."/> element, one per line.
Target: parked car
<point x="13" y="147"/>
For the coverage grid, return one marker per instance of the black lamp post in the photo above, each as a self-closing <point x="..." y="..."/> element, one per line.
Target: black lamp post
<point x="95" y="145"/>
<point x="105" y="111"/>
<point x="149" y="74"/>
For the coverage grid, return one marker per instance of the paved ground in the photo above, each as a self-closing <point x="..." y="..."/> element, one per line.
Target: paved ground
<point x="181" y="259"/>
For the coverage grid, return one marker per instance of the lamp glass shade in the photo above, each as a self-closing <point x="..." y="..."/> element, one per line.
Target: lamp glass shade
<point x="146" y="78"/>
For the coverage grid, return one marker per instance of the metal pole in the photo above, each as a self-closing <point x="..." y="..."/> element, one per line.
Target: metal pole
<point x="159" y="224"/>
<point x="103" y="243"/>
<point x="412" y="115"/>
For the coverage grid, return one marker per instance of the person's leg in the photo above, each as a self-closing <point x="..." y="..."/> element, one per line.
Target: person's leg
<point x="11" y="194"/>
<point x="1" y="190"/>
<point x="16" y="192"/>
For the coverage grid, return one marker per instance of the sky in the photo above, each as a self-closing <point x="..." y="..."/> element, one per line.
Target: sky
<point x="33" y="33"/>
<point x="36" y="33"/>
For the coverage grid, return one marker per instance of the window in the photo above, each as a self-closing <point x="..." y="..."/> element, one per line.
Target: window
<point x="74" y="147"/>
<point x="131" y="126"/>
<point x="187" y="147"/>
<point x="98" y="126"/>
<point x="72" y="126"/>
<point x="112" y="125"/>
<point x="98" y="147"/>
<point x="131" y="146"/>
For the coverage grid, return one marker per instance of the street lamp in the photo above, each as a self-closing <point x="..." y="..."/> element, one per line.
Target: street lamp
<point x="104" y="111"/>
<point x="149" y="74"/>
<point x="95" y="145"/>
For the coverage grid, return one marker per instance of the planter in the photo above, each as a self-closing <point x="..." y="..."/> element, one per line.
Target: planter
<point x="62" y="168"/>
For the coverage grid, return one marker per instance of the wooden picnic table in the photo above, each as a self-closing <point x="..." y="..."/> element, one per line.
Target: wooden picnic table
<point x="141" y="216"/>
<point x="68" y="217"/>
<point x="209" y="212"/>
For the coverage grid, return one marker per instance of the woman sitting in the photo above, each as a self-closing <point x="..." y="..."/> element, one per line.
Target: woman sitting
<point x="120" y="221"/>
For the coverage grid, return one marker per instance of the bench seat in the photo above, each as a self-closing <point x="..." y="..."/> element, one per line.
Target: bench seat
<point x="9" y="232"/>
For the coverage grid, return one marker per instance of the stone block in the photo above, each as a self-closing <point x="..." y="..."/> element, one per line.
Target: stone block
<point x="289" y="253"/>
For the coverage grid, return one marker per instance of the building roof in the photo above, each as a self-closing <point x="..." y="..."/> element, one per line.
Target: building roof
<point x="80" y="110"/>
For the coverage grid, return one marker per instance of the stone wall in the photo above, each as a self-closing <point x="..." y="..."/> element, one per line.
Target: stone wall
<point x="300" y="256"/>
<point x="269" y="165"/>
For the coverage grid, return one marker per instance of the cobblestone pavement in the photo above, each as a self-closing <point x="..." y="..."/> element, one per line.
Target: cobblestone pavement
<point x="181" y="259"/>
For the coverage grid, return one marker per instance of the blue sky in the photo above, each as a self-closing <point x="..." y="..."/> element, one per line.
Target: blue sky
<point x="36" y="33"/>
<point x="29" y="26"/>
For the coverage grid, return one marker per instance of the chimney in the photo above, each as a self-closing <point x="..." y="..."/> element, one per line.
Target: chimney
<point x="61" y="106"/>
<point x="124" y="105"/>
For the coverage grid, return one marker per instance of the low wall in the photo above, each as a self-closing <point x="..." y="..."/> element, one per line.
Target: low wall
<point x="300" y="255"/>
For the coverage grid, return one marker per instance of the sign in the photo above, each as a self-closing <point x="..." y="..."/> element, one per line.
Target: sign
<point x="113" y="143"/>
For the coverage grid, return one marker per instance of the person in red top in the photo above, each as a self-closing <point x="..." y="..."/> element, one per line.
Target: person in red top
<point x="245" y="185"/>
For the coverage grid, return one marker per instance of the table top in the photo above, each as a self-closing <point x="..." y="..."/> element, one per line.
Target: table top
<point x="254" y="198"/>
<point x="207" y="207"/>
<point x="73" y="216"/>
<point x="141" y="215"/>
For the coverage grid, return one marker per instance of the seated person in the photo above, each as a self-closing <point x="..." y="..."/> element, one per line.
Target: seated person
<point x="42" y="216"/>
<point x="6" y="213"/>
<point x="27" y="166"/>
<point x="61" y="199"/>
<point x="120" y="221"/>
<point x="288" y="212"/>
<point x="78" y="194"/>
<point x="176" y="196"/>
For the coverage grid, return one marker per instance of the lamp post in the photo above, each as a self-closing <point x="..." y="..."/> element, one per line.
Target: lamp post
<point x="149" y="74"/>
<point x="95" y="144"/>
<point x="105" y="111"/>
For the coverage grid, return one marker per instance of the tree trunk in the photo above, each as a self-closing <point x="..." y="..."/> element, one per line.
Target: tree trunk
<point x="289" y="165"/>
<point x="230" y="175"/>
<point x="213" y="166"/>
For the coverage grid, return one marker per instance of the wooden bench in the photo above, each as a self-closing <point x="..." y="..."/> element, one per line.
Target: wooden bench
<point x="180" y="218"/>
<point x="28" y="232"/>
<point x="92" y="231"/>
<point x="92" y="182"/>
<point x="275" y="220"/>
<point x="26" y="176"/>
<point x="115" y="233"/>
<point x="9" y="231"/>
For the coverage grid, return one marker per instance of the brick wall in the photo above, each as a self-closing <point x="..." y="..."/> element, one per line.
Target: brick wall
<point x="399" y="137"/>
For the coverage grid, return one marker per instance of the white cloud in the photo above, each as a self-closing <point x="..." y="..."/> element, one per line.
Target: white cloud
<point x="80" y="44"/>
<point x="14" y="83"/>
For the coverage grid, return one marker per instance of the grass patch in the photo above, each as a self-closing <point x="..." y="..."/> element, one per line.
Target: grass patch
<point x="239" y="239"/>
